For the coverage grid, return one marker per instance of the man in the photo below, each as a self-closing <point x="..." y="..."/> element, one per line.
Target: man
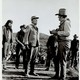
<point x="31" y="41"/>
<point x="52" y="46"/>
<point x="20" y="45"/>
<point x="7" y="41"/>
<point x="74" y="49"/>
<point x="63" y="33"/>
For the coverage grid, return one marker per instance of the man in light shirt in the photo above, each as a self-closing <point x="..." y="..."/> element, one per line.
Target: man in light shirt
<point x="31" y="41"/>
<point x="63" y="33"/>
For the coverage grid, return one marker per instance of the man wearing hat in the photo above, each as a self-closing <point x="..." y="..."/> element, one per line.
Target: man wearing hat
<point x="74" y="49"/>
<point x="31" y="41"/>
<point x="63" y="33"/>
<point x="20" y="45"/>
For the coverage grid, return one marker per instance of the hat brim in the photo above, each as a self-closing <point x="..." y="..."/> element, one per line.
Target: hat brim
<point x="22" y="27"/>
<point x="36" y="18"/>
<point x="60" y="15"/>
<point x="57" y="14"/>
<point x="76" y="36"/>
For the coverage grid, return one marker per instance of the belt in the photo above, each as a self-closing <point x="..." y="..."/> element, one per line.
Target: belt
<point x="63" y="40"/>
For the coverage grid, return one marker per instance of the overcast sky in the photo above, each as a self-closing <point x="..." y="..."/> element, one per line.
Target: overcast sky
<point x="20" y="11"/>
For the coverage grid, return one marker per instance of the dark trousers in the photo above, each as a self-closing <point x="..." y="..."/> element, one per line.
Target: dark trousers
<point x="74" y="58"/>
<point x="49" y="58"/>
<point x="30" y="59"/>
<point x="18" y="48"/>
<point x="51" y="55"/>
<point x="63" y="49"/>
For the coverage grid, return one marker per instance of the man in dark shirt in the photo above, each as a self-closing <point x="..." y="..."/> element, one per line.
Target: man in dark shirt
<point x="74" y="49"/>
<point x="52" y="46"/>
<point x="20" y="45"/>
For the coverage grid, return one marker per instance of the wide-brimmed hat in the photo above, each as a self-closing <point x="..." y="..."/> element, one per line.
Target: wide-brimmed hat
<point x="75" y="36"/>
<point x="22" y="26"/>
<point x="34" y="17"/>
<point x="62" y="12"/>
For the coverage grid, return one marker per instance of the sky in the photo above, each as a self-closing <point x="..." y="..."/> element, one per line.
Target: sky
<point x="20" y="11"/>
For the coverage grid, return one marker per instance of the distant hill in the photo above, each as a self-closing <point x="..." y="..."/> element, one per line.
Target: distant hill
<point x="43" y="38"/>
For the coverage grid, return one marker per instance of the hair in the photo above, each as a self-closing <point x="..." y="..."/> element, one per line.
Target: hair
<point x="64" y="16"/>
<point x="8" y="21"/>
<point x="22" y="26"/>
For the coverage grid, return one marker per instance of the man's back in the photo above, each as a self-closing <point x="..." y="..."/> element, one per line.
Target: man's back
<point x="74" y="45"/>
<point x="20" y="36"/>
<point x="51" y="41"/>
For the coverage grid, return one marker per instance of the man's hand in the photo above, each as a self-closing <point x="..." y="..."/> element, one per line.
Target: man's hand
<point x="53" y="32"/>
<point x="50" y="32"/>
<point x="27" y="46"/>
<point x="39" y="47"/>
<point x="23" y="47"/>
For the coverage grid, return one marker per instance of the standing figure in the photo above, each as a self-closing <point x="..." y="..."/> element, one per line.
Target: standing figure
<point x="31" y="41"/>
<point x="63" y="33"/>
<point x="7" y="41"/>
<point x="74" y="49"/>
<point x="52" y="48"/>
<point x="20" y="45"/>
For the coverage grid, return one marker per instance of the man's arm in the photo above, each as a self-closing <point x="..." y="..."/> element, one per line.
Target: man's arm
<point x="11" y="37"/>
<point x="38" y="39"/>
<point x="18" y="40"/>
<point x="66" y="31"/>
<point x="26" y="36"/>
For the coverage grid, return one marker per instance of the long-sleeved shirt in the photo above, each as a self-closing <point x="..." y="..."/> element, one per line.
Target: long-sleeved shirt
<point x="7" y="35"/>
<point x="64" y="30"/>
<point x="31" y="35"/>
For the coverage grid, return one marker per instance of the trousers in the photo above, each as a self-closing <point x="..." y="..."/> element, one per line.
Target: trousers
<point x="30" y="59"/>
<point x="74" y="58"/>
<point x="63" y="49"/>
<point x="18" y="48"/>
<point x="7" y="52"/>
<point x="51" y="55"/>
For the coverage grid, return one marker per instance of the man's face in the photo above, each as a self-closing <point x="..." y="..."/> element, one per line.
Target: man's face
<point x="75" y="38"/>
<point x="60" y="18"/>
<point x="10" y="24"/>
<point x="23" y="29"/>
<point x="34" y="21"/>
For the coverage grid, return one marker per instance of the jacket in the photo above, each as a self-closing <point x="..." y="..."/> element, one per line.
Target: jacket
<point x="74" y="45"/>
<point x="5" y="35"/>
<point x="64" y="30"/>
<point x="31" y="35"/>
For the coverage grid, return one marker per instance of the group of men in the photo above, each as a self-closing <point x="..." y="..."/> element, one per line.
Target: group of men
<point x="28" y="42"/>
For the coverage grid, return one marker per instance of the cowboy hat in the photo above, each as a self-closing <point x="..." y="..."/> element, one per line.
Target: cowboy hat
<point x="22" y="26"/>
<point x="62" y="12"/>
<point x="75" y="36"/>
<point x="34" y="17"/>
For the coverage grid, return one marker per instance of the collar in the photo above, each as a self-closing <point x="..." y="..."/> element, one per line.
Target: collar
<point x="61" y="22"/>
<point x="34" y="26"/>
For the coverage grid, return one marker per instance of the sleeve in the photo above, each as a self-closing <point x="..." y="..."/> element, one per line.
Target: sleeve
<point x="26" y="36"/>
<point x="66" y="31"/>
<point x="11" y="36"/>
<point x="2" y="34"/>
<point x="48" y="42"/>
<point x="16" y="37"/>
<point x="77" y="44"/>
<point x="38" y="38"/>
<point x="71" y="45"/>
